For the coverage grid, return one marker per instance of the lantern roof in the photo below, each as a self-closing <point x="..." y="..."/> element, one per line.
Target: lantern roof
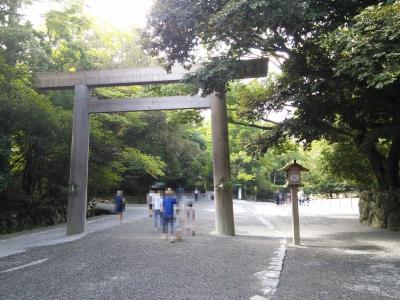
<point x="292" y="165"/>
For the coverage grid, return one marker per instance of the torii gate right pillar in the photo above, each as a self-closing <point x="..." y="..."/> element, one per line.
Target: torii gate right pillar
<point x="224" y="221"/>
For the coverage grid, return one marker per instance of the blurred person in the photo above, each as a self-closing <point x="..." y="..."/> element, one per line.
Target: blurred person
<point x="179" y="194"/>
<point x="190" y="219"/>
<point x="157" y="203"/>
<point x="301" y="198"/>
<point x="280" y="198"/>
<point x="149" y="203"/>
<point x="196" y="194"/>
<point x="168" y="215"/>
<point x="119" y="204"/>
<point x="179" y="221"/>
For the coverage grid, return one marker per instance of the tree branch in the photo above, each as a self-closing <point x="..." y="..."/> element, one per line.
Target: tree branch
<point x="249" y="125"/>
<point x="269" y="121"/>
<point x="338" y="130"/>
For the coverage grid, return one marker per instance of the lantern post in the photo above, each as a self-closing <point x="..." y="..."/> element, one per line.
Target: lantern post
<point x="293" y="180"/>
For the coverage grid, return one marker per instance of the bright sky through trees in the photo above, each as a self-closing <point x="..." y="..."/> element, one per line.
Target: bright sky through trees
<point x="119" y="13"/>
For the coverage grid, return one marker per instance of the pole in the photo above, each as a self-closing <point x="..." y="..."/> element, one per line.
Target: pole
<point x="295" y="215"/>
<point x="224" y="221"/>
<point x="76" y="218"/>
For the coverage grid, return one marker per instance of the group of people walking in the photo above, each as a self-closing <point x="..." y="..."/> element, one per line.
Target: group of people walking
<point x="171" y="215"/>
<point x="282" y="198"/>
<point x="304" y="199"/>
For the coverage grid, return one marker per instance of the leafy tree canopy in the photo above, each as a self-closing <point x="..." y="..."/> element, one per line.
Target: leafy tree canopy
<point x="340" y="69"/>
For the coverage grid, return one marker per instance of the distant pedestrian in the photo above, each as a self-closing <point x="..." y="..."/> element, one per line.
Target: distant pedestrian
<point x="179" y="221"/>
<point x="168" y="215"/>
<point x="308" y="200"/>
<point x="149" y="202"/>
<point x="157" y="203"/>
<point x="190" y="216"/>
<point x="179" y="194"/>
<point x="280" y="198"/>
<point x="119" y="204"/>
<point x="212" y="196"/>
<point x="196" y="194"/>
<point x="301" y="197"/>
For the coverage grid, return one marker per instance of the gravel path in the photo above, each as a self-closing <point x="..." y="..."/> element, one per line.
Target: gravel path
<point x="338" y="259"/>
<point x="130" y="261"/>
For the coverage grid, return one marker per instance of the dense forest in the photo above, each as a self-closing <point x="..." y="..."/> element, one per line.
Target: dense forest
<point x="342" y="95"/>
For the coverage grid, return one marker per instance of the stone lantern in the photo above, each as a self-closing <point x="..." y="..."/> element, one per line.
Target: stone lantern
<point x="293" y="180"/>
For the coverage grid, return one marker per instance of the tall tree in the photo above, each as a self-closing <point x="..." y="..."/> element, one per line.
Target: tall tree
<point x="339" y="71"/>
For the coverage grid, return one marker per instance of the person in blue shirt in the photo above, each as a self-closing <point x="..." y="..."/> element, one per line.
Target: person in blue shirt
<point x="119" y="204"/>
<point x="168" y="203"/>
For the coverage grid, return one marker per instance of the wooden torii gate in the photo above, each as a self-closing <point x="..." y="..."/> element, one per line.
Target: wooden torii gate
<point x="84" y="105"/>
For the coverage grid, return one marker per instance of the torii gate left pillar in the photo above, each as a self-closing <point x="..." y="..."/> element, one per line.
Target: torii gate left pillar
<point x="78" y="182"/>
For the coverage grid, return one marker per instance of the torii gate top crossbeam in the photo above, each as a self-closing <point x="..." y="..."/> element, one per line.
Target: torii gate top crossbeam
<point x="136" y="76"/>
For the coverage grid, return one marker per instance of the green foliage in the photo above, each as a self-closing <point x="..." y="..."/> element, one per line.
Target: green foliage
<point x="127" y="151"/>
<point x="5" y="153"/>
<point x="133" y="160"/>
<point x="328" y="173"/>
<point x="214" y="76"/>
<point x="19" y="42"/>
<point x="340" y="69"/>
<point x="341" y="94"/>
<point x="334" y="168"/>
<point x="175" y="28"/>
<point x="249" y="102"/>
<point x="369" y="49"/>
<point x="67" y="32"/>
<point x="347" y="163"/>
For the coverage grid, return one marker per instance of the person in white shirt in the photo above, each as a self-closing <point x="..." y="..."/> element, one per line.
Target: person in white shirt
<point x="157" y="203"/>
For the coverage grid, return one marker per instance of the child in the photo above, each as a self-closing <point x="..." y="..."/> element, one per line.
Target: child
<point x="168" y="214"/>
<point x="150" y="203"/>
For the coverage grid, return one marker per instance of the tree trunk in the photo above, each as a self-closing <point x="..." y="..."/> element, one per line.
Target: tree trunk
<point x="386" y="169"/>
<point x="392" y="163"/>
<point x="11" y="53"/>
<point x="377" y="161"/>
